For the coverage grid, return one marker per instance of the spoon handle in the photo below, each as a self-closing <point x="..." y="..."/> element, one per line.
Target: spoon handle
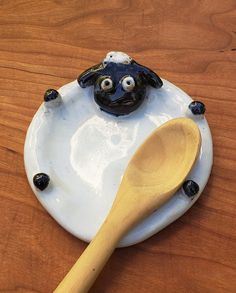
<point x="87" y="268"/>
<point x="123" y="216"/>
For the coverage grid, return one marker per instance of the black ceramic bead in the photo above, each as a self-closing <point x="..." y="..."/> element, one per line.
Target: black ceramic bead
<point x="197" y="108"/>
<point x="190" y="188"/>
<point x="50" y="95"/>
<point x="41" y="181"/>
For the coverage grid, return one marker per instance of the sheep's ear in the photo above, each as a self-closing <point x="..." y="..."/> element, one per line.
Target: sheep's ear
<point x="150" y="76"/>
<point x="89" y="76"/>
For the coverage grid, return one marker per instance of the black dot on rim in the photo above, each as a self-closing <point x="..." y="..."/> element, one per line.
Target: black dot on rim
<point x="50" y="95"/>
<point x="128" y="82"/>
<point x="107" y="83"/>
<point x="190" y="188"/>
<point x="41" y="180"/>
<point x="110" y="56"/>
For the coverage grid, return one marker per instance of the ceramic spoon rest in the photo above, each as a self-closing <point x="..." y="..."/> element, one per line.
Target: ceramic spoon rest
<point x="84" y="134"/>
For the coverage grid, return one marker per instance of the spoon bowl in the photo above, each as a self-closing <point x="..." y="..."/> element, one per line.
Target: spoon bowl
<point x="156" y="171"/>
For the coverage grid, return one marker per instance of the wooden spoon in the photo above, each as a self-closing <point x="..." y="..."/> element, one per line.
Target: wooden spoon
<point x="156" y="171"/>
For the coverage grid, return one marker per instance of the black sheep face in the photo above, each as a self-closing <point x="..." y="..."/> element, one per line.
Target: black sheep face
<point x="119" y="83"/>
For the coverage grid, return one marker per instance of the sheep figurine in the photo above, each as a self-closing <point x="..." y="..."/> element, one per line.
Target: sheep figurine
<point x="119" y="82"/>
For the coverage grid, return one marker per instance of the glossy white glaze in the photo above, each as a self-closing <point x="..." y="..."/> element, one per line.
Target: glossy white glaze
<point x="85" y="152"/>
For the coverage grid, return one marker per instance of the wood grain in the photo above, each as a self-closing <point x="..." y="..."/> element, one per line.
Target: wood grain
<point x="46" y="44"/>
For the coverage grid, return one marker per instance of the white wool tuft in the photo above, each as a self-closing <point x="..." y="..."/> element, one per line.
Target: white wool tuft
<point x="117" y="57"/>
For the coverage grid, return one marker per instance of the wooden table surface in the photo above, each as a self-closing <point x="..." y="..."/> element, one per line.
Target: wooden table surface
<point x="46" y="44"/>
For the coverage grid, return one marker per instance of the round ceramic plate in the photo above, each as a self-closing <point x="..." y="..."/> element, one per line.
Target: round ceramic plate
<point x="85" y="152"/>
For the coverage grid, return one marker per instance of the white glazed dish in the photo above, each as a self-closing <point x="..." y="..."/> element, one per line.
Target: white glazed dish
<point x="85" y="152"/>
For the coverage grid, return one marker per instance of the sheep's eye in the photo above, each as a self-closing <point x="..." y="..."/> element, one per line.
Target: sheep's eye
<point x="128" y="83"/>
<point x="106" y="84"/>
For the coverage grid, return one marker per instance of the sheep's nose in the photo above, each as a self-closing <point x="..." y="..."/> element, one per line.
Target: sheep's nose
<point x="118" y="94"/>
